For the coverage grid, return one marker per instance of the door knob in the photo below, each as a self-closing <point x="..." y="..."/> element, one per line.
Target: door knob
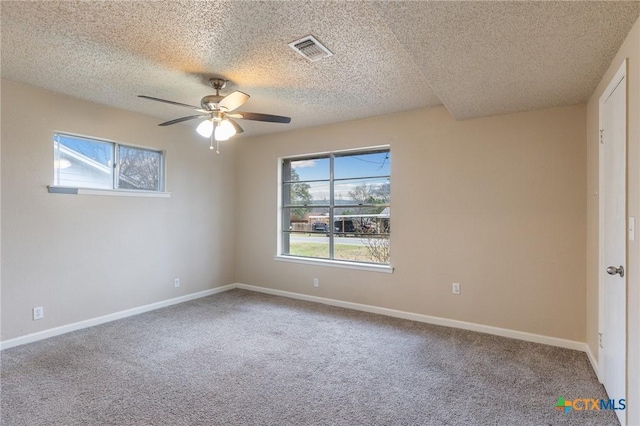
<point x="612" y="270"/>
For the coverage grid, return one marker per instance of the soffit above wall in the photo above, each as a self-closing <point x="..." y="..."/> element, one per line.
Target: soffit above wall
<point x="489" y="58"/>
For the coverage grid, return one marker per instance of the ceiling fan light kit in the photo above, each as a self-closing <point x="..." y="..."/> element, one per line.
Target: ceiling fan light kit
<point x="219" y="123"/>
<point x="205" y="128"/>
<point x="224" y="130"/>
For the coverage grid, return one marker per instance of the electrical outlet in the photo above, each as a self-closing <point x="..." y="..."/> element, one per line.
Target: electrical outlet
<point x="456" y="288"/>
<point x="38" y="313"/>
<point x="176" y="282"/>
<point x="316" y="283"/>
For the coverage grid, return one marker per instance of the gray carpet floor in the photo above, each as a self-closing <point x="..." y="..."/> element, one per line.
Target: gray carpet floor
<point x="245" y="358"/>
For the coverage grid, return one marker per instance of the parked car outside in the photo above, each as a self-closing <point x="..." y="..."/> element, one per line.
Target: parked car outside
<point x="319" y="227"/>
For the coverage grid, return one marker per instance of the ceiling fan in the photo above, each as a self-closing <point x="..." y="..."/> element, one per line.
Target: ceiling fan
<point x="219" y="113"/>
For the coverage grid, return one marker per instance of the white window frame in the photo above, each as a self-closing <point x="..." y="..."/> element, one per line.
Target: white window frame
<point x="114" y="190"/>
<point x="335" y="263"/>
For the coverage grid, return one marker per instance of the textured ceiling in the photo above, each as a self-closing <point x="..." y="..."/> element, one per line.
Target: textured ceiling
<point x="488" y="58"/>
<point x="476" y="58"/>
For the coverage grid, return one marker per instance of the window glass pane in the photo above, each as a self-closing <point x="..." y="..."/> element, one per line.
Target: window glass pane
<point x="294" y="219"/>
<point x="364" y="248"/>
<point x="301" y="193"/>
<point x="362" y="238"/>
<point x="308" y="245"/>
<point x="304" y="235"/>
<point x="307" y="169"/>
<point x="305" y="219"/>
<point x="299" y="219"/>
<point x="362" y="191"/>
<point x="82" y="162"/>
<point x="362" y="165"/>
<point x="139" y="168"/>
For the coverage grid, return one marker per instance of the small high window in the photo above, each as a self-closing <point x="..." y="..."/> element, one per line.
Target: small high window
<point x="83" y="162"/>
<point x="336" y="206"/>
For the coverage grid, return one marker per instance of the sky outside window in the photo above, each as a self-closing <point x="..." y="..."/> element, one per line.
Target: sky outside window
<point x="345" y="166"/>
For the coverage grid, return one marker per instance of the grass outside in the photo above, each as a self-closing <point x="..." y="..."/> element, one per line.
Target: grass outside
<point x="340" y="251"/>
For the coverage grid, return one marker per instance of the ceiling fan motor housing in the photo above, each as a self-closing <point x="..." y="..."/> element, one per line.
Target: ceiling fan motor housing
<point x="210" y="102"/>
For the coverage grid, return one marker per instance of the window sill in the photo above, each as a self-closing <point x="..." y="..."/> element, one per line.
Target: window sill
<point x="109" y="192"/>
<point x="388" y="269"/>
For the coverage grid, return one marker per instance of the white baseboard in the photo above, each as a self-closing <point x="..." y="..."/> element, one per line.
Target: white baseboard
<point x="513" y="334"/>
<point x="34" y="337"/>
<point x="594" y="363"/>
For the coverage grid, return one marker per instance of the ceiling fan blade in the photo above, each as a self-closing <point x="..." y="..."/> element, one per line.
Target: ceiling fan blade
<point x="167" y="102"/>
<point x="256" y="116"/>
<point x="233" y="100"/>
<point x="236" y="125"/>
<point x="180" y="120"/>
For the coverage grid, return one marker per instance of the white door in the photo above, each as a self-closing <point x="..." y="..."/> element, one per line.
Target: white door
<point x="614" y="234"/>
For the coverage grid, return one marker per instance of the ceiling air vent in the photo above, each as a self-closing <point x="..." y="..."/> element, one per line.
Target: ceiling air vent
<point x="310" y="48"/>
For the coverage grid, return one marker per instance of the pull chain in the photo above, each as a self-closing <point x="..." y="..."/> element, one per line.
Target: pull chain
<point x="217" y="144"/>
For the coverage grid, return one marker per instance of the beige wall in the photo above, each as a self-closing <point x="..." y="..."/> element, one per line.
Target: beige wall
<point x="630" y="50"/>
<point x="497" y="204"/>
<point x="81" y="257"/>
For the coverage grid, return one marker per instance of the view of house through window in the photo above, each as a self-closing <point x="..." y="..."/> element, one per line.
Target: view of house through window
<point x="83" y="162"/>
<point x="337" y="206"/>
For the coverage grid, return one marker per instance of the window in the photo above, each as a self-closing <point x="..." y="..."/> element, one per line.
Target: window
<point x="337" y="206"/>
<point x="83" y="162"/>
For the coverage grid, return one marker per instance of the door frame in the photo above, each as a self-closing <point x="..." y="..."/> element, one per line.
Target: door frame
<point x="613" y="84"/>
